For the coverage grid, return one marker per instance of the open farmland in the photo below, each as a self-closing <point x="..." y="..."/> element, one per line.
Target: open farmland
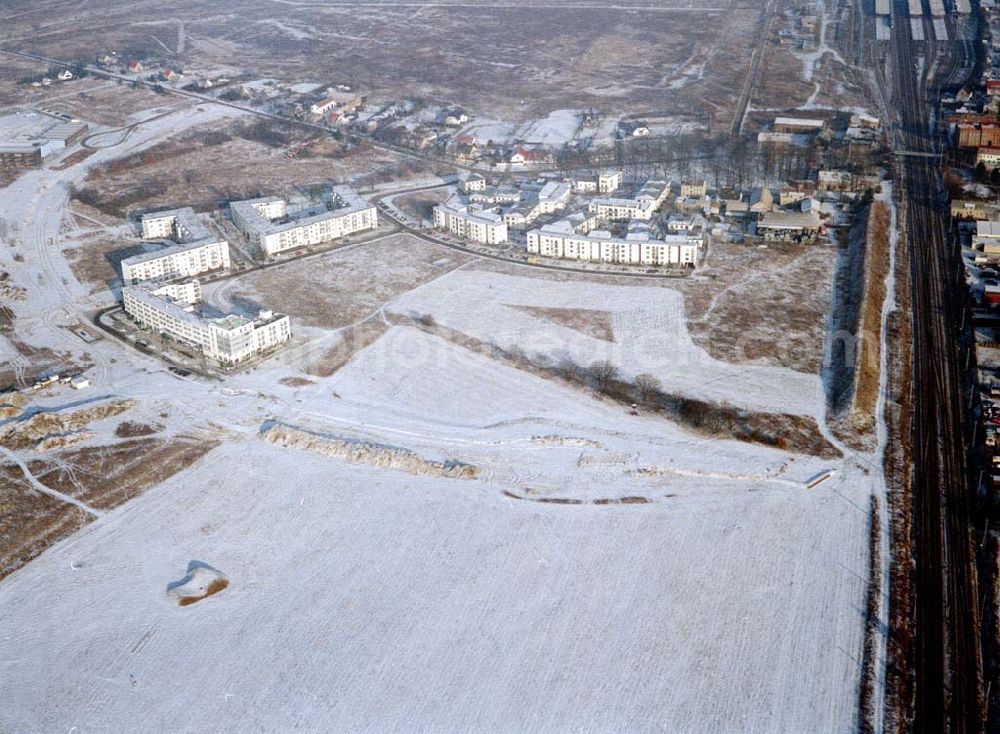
<point x="344" y="548"/>
<point x="509" y="59"/>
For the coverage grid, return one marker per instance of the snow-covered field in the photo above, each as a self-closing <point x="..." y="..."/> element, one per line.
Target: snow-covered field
<point x="364" y="600"/>
<point x="724" y="597"/>
<point x="649" y="325"/>
<point x="557" y="129"/>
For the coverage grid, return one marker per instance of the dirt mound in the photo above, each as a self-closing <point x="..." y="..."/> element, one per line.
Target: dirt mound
<point x="134" y="429"/>
<point x="201" y="582"/>
<point x="367" y="453"/>
<point x="554" y="440"/>
<point x="62" y="441"/>
<point x="38" y="427"/>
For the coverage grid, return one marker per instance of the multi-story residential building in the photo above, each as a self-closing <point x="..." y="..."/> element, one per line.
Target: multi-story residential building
<point x="168" y="309"/>
<point x="494" y="195"/>
<point x="641" y="206"/>
<point x="182" y="260"/>
<point x="638" y="248"/>
<point x="694" y="190"/>
<point x="268" y="223"/>
<point x="605" y="183"/>
<point x="553" y="196"/>
<point x="470" y="182"/>
<point x="609" y="182"/>
<point x="977" y="134"/>
<point x="195" y="250"/>
<point x="179" y="225"/>
<point x="476" y="224"/>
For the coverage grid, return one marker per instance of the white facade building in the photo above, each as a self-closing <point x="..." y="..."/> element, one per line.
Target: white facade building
<point x="266" y="221"/>
<point x="176" y="261"/>
<point x="609" y="182"/>
<point x="470" y="182"/>
<point x="195" y="250"/>
<point x="600" y="246"/>
<point x="578" y="237"/>
<point x="179" y="225"/>
<point x="478" y="225"/>
<point x="642" y="206"/>
<point x="553" y="196"/>
<point x="605" y="183"/>
<point x="231" y="339"/>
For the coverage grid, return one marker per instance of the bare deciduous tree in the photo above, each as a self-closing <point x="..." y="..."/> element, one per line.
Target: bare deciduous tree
<point x="603" y="372"/>
<point x="647" y="385"/>
<point x="570" y="370"/>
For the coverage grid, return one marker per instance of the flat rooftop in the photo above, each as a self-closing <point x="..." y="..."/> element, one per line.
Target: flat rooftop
<point x="174" y="249"/>
<point x="187" y="219"/>
<point x="344" y="199"/>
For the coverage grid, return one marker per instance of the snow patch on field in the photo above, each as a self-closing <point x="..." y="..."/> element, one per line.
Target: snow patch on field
<point x="485" y="130"/>
<point x="649" y="323"/>
<point x="557" y="129"/>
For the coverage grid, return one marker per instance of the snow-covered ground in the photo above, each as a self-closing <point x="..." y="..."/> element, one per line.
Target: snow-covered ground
<point x="557" y="129"/>
<point x="361" y="599"/>
<point x="650" y="330"/>
<point x="727" y="598"/>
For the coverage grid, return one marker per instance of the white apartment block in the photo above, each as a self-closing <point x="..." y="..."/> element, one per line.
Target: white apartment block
<point x="600" y="246"/>
<point x="176" y="261"/>
<point x="642" y="206"/>
<point x="195" y="250"/>
<point x="605" y="183"/>
<point x="620" y="209"/>
<point x="609" y="182"/>
<point x="179" y="225"/>
<point x="229" y="340"/>
<point x="470" y="182"/>
<point x="267" y="223"/>
<point x="495" y="195"/>
<point x="187" y="292"/>
<point x="478" y="225"/>
<point x="553" y="196"/>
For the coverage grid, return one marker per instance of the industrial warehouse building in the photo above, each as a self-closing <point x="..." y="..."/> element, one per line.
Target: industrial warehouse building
<point x="268" y="223"/>
<point x="784" y="226"/>
<point x="21" y="155"/>
<point x="169" y="310"/>
<point x="35" y="137"/>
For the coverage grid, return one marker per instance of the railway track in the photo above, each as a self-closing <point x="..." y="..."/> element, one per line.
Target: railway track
<point x="947" y="658"/>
